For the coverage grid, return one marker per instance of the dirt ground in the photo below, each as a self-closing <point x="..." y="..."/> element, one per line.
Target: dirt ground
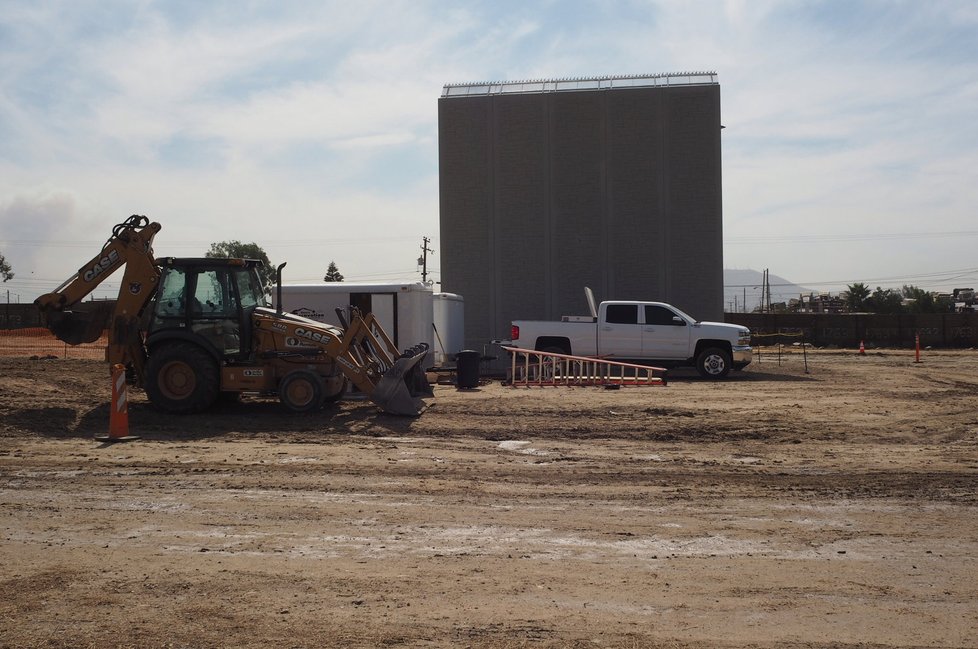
<point x="780" y="508"/>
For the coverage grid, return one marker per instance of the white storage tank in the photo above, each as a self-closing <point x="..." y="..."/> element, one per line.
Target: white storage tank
<point x="449" y="320"/>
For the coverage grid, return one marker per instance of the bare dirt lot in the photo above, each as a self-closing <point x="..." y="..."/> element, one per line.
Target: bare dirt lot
<point x="776" y="509"/>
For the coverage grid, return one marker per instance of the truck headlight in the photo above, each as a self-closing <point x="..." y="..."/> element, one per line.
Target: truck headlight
<point x="743" y="339"/>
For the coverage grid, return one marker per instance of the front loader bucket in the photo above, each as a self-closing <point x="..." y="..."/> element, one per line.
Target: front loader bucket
<point x="77" y="327"/>
<point x="399" y="392"/>
<point x="415" y="379"/>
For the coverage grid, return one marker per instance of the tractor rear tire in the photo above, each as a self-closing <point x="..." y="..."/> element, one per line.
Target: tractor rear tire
<point x="182" y="378"/>
<point x="301" y="391"/>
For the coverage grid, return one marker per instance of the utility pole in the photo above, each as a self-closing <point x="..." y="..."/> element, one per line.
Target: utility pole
<point x="767" y="275"/>
<point x="423" y="259"/>
<point x="760" y="305"/>
<point x="766" y="293"/>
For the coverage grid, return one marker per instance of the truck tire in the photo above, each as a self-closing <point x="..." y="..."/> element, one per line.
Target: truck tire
<point x="713" y="363"/>
<point x="182" y="378"/>
<point x="301" y="391"/>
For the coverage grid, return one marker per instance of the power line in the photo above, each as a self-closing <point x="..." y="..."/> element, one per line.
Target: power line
<point x="289" y="243"/>
<point x="836" y="238"/>
<point x="943" y="275"/>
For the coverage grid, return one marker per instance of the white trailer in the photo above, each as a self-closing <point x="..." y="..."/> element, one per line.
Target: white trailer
<point x="405" y="310"/>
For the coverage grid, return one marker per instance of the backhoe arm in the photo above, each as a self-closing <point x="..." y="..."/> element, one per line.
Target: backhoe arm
<point x="131" y="246"/>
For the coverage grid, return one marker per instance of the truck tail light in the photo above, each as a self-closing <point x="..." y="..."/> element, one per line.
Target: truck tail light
<point x="514" y="332"/>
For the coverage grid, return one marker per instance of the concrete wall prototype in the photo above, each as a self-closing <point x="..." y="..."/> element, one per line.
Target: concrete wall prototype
<point x="543" y="194"/>
<point x="17" y="316"/>
<point x="954" y="330"/>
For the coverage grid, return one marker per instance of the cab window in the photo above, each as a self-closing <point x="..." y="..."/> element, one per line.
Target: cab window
<point x="250" y="289"/>
<point x="173" y="288"/>
<point x="214" y="297"/>
<point x="621" y="314"/>
<point x="659" y="315"/>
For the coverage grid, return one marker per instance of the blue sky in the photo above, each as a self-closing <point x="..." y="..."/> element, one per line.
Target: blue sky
<point x="850" y="151"/>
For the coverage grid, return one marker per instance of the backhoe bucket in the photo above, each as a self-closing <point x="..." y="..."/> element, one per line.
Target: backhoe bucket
<point x="77" y="327"/>
<point x="400" y="390"/>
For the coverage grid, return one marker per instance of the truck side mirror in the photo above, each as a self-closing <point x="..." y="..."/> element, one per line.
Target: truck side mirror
<point x="678" y="322"/>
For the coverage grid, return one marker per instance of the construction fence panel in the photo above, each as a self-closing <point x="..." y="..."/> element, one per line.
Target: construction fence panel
<point x="39" y="342"/>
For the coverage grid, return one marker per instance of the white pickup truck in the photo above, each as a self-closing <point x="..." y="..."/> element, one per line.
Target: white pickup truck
<point x="641" y="331"/>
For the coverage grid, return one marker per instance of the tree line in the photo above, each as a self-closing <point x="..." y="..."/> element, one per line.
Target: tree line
<point x="254" y="251"/>
<point x="859" y="298"/>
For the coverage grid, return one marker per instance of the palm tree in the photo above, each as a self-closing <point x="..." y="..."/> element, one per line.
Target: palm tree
<point x="856" y="296"/>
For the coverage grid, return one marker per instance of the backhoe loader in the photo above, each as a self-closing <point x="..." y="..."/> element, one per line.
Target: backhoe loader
<point x="189" y="330"/>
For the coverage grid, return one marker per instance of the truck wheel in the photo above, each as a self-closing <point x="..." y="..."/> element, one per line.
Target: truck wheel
<point x="713" y="363"/>
<point x="301" y="391"/>
<point x="182" y="378"/>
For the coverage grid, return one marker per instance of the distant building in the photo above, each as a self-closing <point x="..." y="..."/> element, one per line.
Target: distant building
<point x="550" y="186"/>
<point x="817" y="303"/>
<point x="964" y="299"/>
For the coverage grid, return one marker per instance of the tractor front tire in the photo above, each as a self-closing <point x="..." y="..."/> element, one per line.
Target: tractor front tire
<point x="337" y="393"/>
<point x="182" y="378"/>
<point x="301" y="391"/>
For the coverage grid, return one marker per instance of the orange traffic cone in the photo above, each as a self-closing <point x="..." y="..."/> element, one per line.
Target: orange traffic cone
<point x="862" y="348"/>
<point x="119" y="409"/>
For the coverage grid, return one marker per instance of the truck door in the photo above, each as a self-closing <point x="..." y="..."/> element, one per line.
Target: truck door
<point x="619" y="332"/>
<point x="665" y="335"/>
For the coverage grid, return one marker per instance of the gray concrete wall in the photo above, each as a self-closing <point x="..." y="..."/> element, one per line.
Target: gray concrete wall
<point x="543" y="194"/>
<point x="847" y="330"/>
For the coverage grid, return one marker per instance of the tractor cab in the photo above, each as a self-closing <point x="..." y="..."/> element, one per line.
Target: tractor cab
<point x="210" y="300"/>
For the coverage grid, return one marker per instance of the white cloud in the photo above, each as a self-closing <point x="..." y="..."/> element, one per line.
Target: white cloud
<point x="318" y="121"/>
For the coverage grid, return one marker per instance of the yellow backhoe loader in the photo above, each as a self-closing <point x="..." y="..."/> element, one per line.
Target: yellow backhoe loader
<point x="191" y="329"/>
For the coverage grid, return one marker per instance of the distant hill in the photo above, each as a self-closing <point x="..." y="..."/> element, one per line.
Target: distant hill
<point x="737" y="283"/>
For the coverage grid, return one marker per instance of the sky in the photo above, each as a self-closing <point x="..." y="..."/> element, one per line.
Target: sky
<point x="850" y="148"/>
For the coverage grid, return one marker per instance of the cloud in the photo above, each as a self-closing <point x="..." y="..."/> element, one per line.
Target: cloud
<point x="34" y="224"/>
<point x="38" y="217"/>
<point x="318" y="121"/>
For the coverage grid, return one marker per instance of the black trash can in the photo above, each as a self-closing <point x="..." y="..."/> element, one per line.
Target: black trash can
<point x="467" y="369"/>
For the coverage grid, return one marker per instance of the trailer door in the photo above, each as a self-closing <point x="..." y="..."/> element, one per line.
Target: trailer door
<point x="384" y="308"/>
